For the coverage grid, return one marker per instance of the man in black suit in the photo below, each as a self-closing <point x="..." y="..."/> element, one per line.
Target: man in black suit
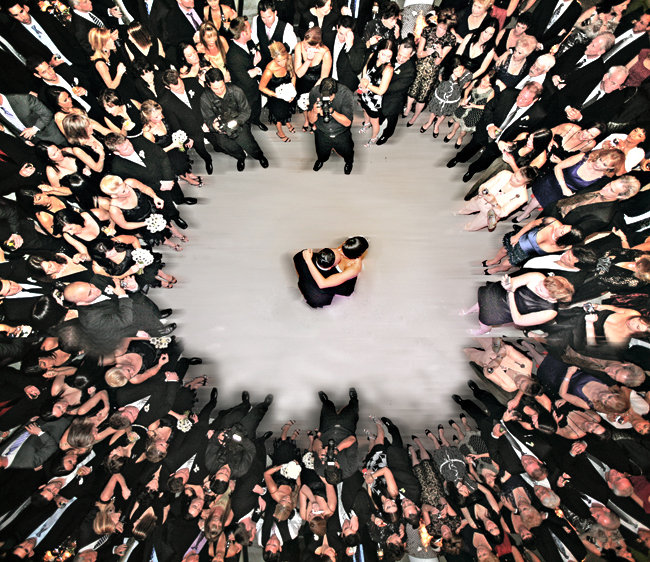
<point x="18" y="300"/>
<point x="32" y="446"/>
<point x="242" y="62"/>
<point x="395" y="97"/>
<point x="348" y="54"/>
<point x="85" y="16"/>
<point x="28" y="118"/>
<point x="226" y="112"/>
<point x="152" y="14"/>
<point x="182" y="108"/>
<point x="108" y="318"/>
<point x="181" y="23"/>
<point x="147" y="162"/>
<point x="41" y="34"/>
<point x="551" y="21"/>
<point x="359" y="10"/>
<point x="580" y="64"/>
<point x="507" y="115"/>
<point x="267" y="28"/>
<point x="602" y="101"/>
<point x="314" y="295"/>
<point x="629" y="41"/>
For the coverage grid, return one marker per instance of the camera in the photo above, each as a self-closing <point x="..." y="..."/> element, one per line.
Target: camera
<point x="330" y="453"/>
<point x="325" y="103"/>
<point x="231" y="434"/>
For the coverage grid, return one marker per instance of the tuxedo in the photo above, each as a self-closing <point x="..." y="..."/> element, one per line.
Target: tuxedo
<point x="17" y="309"/>
<point x="550" y="35"/>
<point x="29" y="45"/>
<point x="606" y="108"/>
<point x="498" y="112"/>
<point x="177" y="29"/>
<point x="563" y="531"/>
<point x="14" y="78"/>
<point x="154" y="19"/>
<point x="157" y="168"/>
<point x="239" y="60"/>
<point x="314" y="295"/>
<point x="32" y="113"/>
<point x="363" y="15"/>
<point x="348" y="63"/>
<point x="81" y="26"/>
<point x="14" y="153"/>
<point x="620" y="55"/>
<point x="162" y="399"/>
<point x="264" y="41"/>
<point x="395" y="97"/>
<point x="188" y="119"/>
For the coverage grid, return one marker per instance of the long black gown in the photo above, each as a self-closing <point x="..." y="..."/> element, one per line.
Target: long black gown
<point x="494" y="309"/>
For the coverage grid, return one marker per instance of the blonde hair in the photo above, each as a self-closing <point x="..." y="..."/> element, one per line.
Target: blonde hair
<point x="559" y="288"/>
<point x="528" y="43"/>
<point x="98" y="37"/>
<point x="115" y="377"/>
<point x="103" y="523"/>
<point x="109" y="184"/>
<point x="209" y="28"/>
<point x="147" y="108"/>
<point x="75" y="126"/>
<point x="314" y="36"/>
<point x="278" y="49"/>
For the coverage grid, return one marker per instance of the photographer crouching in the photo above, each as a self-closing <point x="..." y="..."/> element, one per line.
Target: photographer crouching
<point x="332" y="110"/>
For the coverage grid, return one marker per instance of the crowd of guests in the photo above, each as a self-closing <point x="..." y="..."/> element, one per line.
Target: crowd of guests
<point x="105" y="453"/>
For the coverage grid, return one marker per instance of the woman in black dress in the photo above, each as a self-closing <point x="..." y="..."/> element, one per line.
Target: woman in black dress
<point x="121" y="117"/>
<point x="155" y="129"/>
<point x="527" y="300"/>
<point x="278" y="83"/>
<point x="109" y="63"/>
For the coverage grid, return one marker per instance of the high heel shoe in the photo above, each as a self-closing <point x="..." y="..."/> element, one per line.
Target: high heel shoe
<point x="446" y="139"/>
<point x="440" y="426"/>
<point x="409" y="124"/>
<point x="486" y="272"/>
<point x="424" y="129"/>
<point x="435" y="135"/>
<point x="484" y="263"/>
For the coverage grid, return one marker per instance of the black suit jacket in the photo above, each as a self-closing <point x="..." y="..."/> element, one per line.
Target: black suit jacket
<point x="27" y="45"/>
<point x="81" y="26"/>
<point x="177" y="29"/>
<point x="555" y="33"/>
<point x="182" y="117"/>
<point x="617" y="57"/>
<point x="314" y="295"/>
<point x="157" y="167"/>
<point x="562" y="530"/>
<point x="239" y="62"/>
<point x="156" y="20"/>
<point x="496" y="112"/>
<point x="349" y="63"/>
<point x="395" y="97"/>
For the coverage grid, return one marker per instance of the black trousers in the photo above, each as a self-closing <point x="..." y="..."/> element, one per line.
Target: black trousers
<point x="347" y="417"/>
<point x="244" y="141"/>
<point x="490" y="152"/>
<point x="391" y="124"/>
<point x="342" y="143"/>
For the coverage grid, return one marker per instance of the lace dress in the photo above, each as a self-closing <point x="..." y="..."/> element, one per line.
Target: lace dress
<point x="468" y="117"/>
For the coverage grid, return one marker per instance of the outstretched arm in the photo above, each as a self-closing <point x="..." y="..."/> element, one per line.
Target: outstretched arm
<point x="333" y="280"/>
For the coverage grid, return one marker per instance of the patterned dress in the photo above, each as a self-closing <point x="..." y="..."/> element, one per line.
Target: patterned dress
<point x="426" y="69"/>
<point x="468" y="117"/>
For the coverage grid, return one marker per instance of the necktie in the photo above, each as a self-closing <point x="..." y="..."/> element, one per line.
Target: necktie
<point x="37" y="32"/>
<point x="509" y="119"/>
<point x="593" y="97"/>
<point x="556" y="14"/>
<point x="96" y="20"/>
<point x="100" y="542"/>
<point x="194" y="20"/>
<point x="7" y="112"/>
<point x="17" y="443"/>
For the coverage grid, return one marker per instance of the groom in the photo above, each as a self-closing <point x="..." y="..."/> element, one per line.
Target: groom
<point x="325" y="260"/>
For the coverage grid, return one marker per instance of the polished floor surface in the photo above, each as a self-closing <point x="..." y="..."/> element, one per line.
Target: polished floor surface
<point x="398" y="339"/>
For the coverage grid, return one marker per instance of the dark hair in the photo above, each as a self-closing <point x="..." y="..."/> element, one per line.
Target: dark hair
<point x="110" y="97"/>
<point x="574" y="236"/>
<point x="333" y="475"/>
<point x="113" y="465"/>
<point x="381" y="45"/>
<point x="170" y="76"/>
<point x="52" y="94"/>
<point x="351" y="540"/>
<point x="391" y="10"/>
<point x="346" y="21"/>
<point x="525" y="19"/>
<point x="264" y="5"/>
<point x="354" y="247"/>
<point x="142" y="65"/>
<point x="451" y="64"/>
<point x="118" y="421"/>
<point x="175" y="485"/>
<point x="328" y="86"/>
<point x="269" y="556"/>
<point x="218" y="486"/>
<point x="41" y="148"/>
<point x="530" y="173"/>
<point x="213" y="75"/>
<point x="541" y="139"/>
<point x="585" y="255"/>
<point x="65" y="217"/>
<point x="325" y="258"/>
<point x="33" y="61"/>
<point x="407" y="42"/>
<point x="602" y="127"/>
<point x="47" y="313"/>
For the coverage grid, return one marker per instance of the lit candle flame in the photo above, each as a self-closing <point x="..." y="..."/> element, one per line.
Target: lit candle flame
<point x="425" y="537"/>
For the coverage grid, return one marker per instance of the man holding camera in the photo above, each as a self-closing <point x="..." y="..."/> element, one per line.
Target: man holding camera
<point x="226" y="112"/>
<point x="332" y="109"/>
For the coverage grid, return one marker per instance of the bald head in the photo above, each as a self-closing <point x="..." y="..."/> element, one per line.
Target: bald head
<point x="81" y="293"/>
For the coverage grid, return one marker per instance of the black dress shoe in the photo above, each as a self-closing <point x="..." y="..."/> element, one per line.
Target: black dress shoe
<point x="467" y="176"/>
<point x="387" y="422"/>
<point x="323" y="397"/>
<point x="451" y="423"/>
<point x="409" y="124"/>
<point x="180" y="223"/>
<point x="264" y="162"/>
<point x="414" y="437"/>
<point x="317" y="165"/>
<point x="262" y="126"/>
<point x="195" y="361"/>
<point x="213" y="394"/>
<point x="452" y="163"/>
<point x="456" y="398"/>
<point x="472" y="385"/>
<point x="347" y="169"/>
<point x="165" y="313"/>
<point x="382" y="140"/>
<point x="190" y="201"/>
<point x="209" y="167"/>
<point x="245" y="397"/>
<point x="241" y="164"/>
<point x="353" y="393"/>
<point x="266" y="435"/>
<point x="168" y="329"/>
<point x="268" y="399"/>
